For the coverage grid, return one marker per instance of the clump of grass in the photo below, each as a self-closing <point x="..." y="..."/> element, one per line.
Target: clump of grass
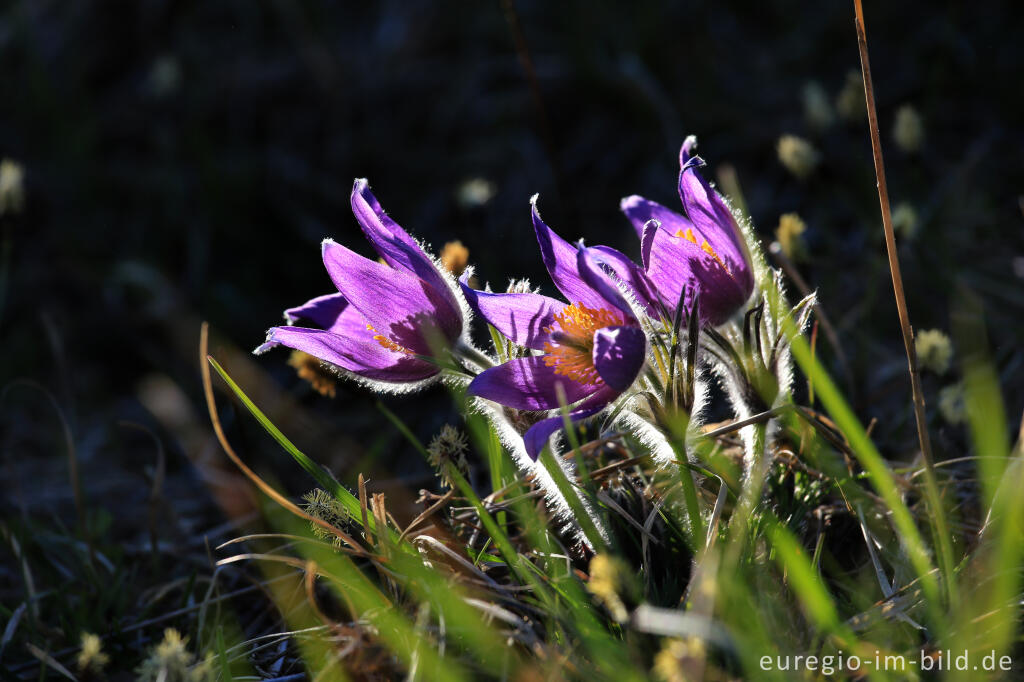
<point x="472" y="572"/>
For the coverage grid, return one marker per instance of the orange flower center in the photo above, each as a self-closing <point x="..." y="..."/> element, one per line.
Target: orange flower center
<point x="572" y="355"/>
<point x="388" y="343"/>
<point x="707" y="248"/>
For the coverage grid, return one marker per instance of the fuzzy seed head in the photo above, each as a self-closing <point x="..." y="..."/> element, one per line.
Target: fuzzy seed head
<point x="789" y="234"/>
<point x="455" y="257"/>
<point x="324" y="506"/>
<point x="171" y="661"/>
<point x="12" y="193"/>
<point x="934" y="350"/>
<point x="817" y="109"/>
<point x="952" y="405"/>
<point x="904" y="220"/>
<point x="91" y="657"/>
<point x="850" y="102"/>
<point x="909" y="129"/>
<point x="798" y="155"/>
<point x="448" y="449"/>
<point x="475" y="192"/>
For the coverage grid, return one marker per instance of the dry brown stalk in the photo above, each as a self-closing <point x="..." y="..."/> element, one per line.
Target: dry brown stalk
<point x="938" y="518"/>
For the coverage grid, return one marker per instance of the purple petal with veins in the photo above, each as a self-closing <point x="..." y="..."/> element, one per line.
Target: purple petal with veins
<point x="396" y="303"/>
<point x="527" y="384"/>
<point x="524" y="318"/>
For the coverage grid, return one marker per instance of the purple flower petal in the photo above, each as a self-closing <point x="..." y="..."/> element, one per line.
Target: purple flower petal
<point x="601" y="282"/>
<point x="523" y="318"/>
<point x="640" y="211"/>
<point x="322" y="311"/>
<point x="395" y="245"/>
<point x="627" y="271"/>
<point x="560" y="260"/>
<point x="619" y="353"/>
<point x="537" y="436"/>
<point x="677" y="265"/>
<point x="526" y="384"/>
<point x="360" y="355"/>
<point x="646" y="239"/>
<point x="396" y="303"/>
<point x="712" y="220"/>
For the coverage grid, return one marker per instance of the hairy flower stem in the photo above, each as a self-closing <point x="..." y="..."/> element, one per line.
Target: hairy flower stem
<point x="466" y="352"/>
<point x="739" y="522"/>
<point x="937" y="514"/>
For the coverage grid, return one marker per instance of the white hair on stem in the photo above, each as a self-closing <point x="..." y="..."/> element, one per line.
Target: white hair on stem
<point x="772" y="329"/>
<point x="559" y="506"/>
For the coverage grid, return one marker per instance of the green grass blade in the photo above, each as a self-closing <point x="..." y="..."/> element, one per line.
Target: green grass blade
<point x="878" y="472"/>
<point x="322" y="478"/>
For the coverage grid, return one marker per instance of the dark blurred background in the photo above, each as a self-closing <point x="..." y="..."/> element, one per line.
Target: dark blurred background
<point x="182" y="160"/>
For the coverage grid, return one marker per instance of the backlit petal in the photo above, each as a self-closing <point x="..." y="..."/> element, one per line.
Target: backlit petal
<point x="396" y="303"/>
<point x="526" y="384"/>
<point x="560" y="260"/>
<point x="619" y="353"/>
<point x="322" y="311"/>
<point x="360" y="355"/>
<point x="523" y="317"/>
<point x="395" y="245"/>
<point x="538" y="435"/>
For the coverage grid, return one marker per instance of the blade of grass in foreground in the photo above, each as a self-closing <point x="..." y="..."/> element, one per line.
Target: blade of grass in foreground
<point x="393" y="628"/>
<point x="340" y="492"/>
<point x="603" y="647"/>
<point x="805" y="582"/>
<point x="991" y="614"/>
<point x="881" y="478"/>
<point x="370" y="603"/>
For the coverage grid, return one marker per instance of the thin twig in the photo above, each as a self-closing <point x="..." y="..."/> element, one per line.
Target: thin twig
<point x="427" y="514"/>
<point x="931" y="485"/>
<point x="758" y="418"/>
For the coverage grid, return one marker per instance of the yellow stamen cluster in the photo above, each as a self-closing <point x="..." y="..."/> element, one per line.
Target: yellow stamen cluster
<point x="707" y="248"/>
<point x="312" y="370"/>
<point x="573" y="355"/>
<point x="388" y="343"/>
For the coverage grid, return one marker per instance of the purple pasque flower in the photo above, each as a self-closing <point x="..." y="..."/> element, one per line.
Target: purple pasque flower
<point x="387" y="316"/>
<point x="702" y="254"/>
<point x="592" y="348"/>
